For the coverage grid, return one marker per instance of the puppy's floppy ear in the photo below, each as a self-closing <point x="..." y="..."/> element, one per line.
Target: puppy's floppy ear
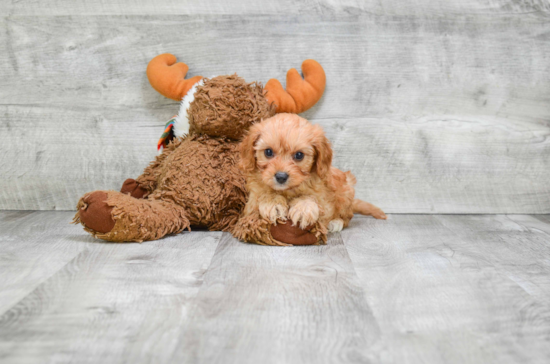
<point x="323" y="152"/>
<point x="246" y="149"/>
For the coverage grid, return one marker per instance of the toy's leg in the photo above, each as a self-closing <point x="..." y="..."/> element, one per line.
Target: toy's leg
<point x="147" y="182"/>
<point x="114" y="216"/>
<point x="149" y="177"/>
<point x="255" y="229"/>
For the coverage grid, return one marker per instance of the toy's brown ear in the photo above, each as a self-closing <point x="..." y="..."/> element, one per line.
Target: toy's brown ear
<point x="301" y="94"/>
<point x="323" y="152"/>
<point x="246" y="149"/>
<point x="168" y="77"/>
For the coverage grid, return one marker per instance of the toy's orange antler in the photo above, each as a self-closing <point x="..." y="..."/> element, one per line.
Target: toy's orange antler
<point x="300" y="94"/>
<point x="168" y="77"/>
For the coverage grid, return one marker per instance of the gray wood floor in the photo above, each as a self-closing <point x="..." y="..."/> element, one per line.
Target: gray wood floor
<point x="413" y="289"/>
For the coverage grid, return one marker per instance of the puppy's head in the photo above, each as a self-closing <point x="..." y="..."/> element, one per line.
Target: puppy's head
<point x="285" y="150"/>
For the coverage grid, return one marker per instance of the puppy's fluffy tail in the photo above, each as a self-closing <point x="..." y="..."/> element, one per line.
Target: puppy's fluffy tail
<point x="365" y="208"/>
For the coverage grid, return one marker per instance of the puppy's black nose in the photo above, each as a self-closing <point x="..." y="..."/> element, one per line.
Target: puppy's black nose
<point x="281" y="177"/>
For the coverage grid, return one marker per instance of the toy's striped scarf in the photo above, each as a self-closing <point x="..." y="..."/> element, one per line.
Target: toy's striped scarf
<point x="167" y="130"/>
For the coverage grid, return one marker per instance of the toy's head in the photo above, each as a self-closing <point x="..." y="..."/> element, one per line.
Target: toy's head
<point x="228" y="106"/>
<point x="225" y="106"/>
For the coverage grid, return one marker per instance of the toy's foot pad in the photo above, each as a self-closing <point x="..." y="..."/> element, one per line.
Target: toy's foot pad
<point x="132" y="188"/>
<point x="95" y="214"/>
<point x="289" y="234"/>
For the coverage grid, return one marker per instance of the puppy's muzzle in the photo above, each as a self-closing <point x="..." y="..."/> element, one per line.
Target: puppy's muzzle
<point x="281" y="177"/>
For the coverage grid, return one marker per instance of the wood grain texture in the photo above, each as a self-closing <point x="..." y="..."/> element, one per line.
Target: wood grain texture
<point x="278" y="305"/>
<point x="459" y="164"/>
<point x="451" y="104"/>
<point x="190" y="7"/>
<point x="414" y="288"/>
<point x="108" y="302"/>
<point x="456" y="289"/>
<point x="34" y="246"/>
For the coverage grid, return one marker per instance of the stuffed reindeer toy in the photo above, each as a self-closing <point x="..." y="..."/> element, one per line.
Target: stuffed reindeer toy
<point x="196" y="180"/>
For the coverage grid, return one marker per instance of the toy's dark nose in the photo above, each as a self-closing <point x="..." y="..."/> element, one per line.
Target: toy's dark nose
<point x="281" y="177"/>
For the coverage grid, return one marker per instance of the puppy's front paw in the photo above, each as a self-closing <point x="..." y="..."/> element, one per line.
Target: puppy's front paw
<point x="273" y="211"/>
<point x="304" y="213"/>
<point x="335" y="225"/>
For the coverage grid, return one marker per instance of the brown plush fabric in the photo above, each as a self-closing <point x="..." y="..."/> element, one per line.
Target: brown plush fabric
<point x="195" y="181"/>
<point x="94" y="212"/>
<point x="138" y="219"/>
<point x="201" y="173"/>
<point x="255" y="229"/>
<point x="291" y="234"/>
<point x="227" y="106"/>
<point x="131" y="187"/>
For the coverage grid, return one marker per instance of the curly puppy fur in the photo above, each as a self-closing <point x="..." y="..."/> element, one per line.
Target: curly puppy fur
<point x="288" y="166"/>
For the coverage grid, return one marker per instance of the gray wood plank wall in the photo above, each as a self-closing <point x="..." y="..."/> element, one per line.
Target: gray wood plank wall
<point x="436" y="106"/>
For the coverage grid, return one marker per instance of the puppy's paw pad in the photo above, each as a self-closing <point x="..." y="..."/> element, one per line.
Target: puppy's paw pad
<point x="335" y="225"/>
<point x="304" y="213"/>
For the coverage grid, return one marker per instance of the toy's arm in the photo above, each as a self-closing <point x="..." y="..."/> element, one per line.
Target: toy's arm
<point x="149" y="177"/>
<point x="147" y="181"/>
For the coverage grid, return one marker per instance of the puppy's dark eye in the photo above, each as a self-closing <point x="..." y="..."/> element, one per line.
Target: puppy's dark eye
<point x="268" y="153"/>
<point x="299" y="156"/>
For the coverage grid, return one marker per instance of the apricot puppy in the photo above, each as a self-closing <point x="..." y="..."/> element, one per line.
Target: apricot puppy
<point x="288" y="165"/>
